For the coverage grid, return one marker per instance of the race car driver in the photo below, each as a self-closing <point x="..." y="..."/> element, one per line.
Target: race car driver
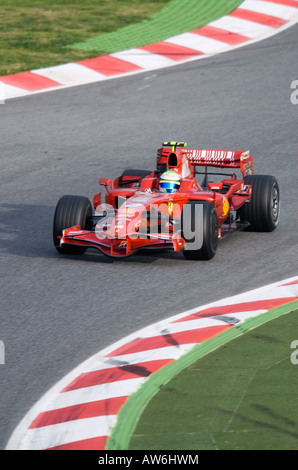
<point x="169" y="181"/>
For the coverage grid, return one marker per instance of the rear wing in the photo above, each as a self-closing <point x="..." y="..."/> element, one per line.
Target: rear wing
<point x="174" y="154"/>
<point x="221" y="158"/>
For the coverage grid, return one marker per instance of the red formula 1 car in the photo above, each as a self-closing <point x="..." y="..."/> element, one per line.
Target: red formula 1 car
<point x="168" y="209"/>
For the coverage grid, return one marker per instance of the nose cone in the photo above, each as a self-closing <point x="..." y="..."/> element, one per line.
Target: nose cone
<point x="126" y="221"/>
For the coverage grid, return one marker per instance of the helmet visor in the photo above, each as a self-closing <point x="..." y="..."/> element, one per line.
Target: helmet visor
<point x="169" y="186"/>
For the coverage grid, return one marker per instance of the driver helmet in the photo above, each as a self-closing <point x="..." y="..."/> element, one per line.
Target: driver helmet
<point x="169" y="181"/>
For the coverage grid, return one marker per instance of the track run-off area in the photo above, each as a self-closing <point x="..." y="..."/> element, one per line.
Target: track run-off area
<point x="57" y="311"/>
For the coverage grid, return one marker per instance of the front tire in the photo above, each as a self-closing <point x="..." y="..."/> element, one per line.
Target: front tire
<point x="70" y="211"/>
<point x="262" y="211"/>
<point x="199" y="230"/>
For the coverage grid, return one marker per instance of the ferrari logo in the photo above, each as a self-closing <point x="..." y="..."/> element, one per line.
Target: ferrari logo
<point x="170" y="207"/>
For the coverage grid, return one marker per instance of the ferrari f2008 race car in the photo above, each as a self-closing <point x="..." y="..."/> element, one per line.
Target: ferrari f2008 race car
<point x="167" y="208"/>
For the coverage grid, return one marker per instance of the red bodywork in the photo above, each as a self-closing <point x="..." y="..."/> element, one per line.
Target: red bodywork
<point x="138" y="215"/>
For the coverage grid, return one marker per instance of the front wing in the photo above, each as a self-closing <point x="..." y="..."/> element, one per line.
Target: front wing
<point x="122" y="246"/>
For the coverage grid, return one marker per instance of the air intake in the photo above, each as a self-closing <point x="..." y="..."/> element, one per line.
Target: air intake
<point x="172" y="160"/>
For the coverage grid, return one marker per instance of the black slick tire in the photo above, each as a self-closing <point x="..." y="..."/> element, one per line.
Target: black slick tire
<point x="262" y="211"/>
<point x="199" y="228"/>
<point x="70" y="211"/>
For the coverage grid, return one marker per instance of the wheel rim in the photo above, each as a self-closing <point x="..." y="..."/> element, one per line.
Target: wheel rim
<point x="214" y="231"/>
<point x="275" y="205"/>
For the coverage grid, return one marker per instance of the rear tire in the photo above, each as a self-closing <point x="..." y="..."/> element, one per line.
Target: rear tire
<point x="70" y="211"/>
<point x="262" y="211"/>
<point x="134" y="172"/>
<point x="200" y="230"/>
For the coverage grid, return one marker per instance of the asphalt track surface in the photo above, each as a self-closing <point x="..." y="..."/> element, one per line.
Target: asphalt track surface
<point x="57" y="311"/>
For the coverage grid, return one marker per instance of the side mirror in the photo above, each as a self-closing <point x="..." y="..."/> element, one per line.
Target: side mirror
<point x="104" y="181"/>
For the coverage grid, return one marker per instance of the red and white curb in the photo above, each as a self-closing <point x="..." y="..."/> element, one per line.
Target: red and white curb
<point x="253" y="21"/>
<point x="79" y="412"/>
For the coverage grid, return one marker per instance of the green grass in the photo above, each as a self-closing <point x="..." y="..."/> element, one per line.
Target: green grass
<point x="38" y="33"/>
<point x="177" y="17"/>
<point x="241" y="396"/>
<point x="35" y="33"/>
